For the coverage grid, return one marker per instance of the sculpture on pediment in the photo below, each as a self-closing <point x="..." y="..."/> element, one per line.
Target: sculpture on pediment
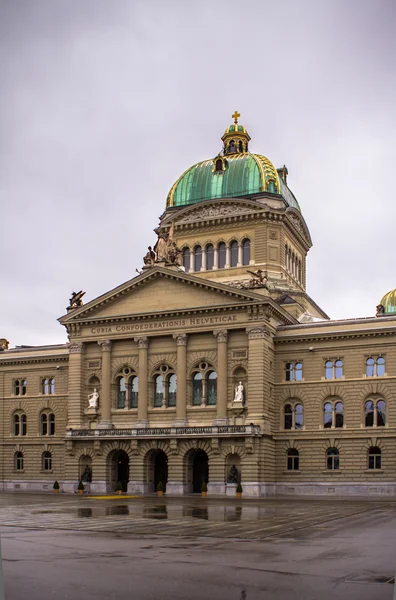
<point x="76" y="300"/>
<point x="259" y="279"/>
<point x="149" y="258"/>
<point x="4" y="344"/>
<point x="93" y="399"/>
<point x="166" y="249"/>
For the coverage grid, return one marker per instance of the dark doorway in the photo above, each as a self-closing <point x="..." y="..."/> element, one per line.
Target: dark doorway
<point x="200" y="470"/>
<point x="123" y="469"/>
<point x="160" y="469"/>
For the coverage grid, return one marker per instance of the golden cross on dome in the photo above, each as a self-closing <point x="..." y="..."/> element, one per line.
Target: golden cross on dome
<point x="236" y="116"/>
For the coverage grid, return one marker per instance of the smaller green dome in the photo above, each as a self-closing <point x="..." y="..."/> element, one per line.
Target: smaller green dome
<point x="389" y="303"/>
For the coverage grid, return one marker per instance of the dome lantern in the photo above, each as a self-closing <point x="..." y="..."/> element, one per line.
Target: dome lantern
<point x="235" y="138"/>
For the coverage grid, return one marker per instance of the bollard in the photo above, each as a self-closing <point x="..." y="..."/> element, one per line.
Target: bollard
<point x="2" y="596"/>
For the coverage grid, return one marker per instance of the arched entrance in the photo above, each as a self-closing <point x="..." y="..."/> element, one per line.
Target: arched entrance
<point x="119" y="469"/>
<point x="157" y="469"/>
<point x="200" y="470"/>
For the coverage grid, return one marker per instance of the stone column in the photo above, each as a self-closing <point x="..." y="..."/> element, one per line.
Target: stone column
<point x="215" y="258"/>
<point x="240" y="255"/>
<point x="228" y="257"/>
<point x="105" y="399"/>
<point x="222" y="338"/>
<point x="204" y="262"/>
<point x="181" y="372"/>
<point x="142" y="343"/>
<point x="192" y="255"/>
<point x="76" y="385"/>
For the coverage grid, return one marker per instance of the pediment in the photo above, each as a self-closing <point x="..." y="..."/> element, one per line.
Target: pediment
<point x="160" y="290"/>
<point x="206" y="211"/>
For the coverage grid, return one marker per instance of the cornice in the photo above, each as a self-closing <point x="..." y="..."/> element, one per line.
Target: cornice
<point x="32" y="360"/>
<point x="342" y="335"/>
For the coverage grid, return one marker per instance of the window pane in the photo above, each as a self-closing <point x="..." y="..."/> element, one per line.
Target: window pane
<point x="134" y="391"/>
<point x="197" y="390"/>
<point x="158" y="391"/>
<point x="338" y="369"/>
<point x="371" y="462"/>
<point x="209" y="257"/>
<point x="369" y="413"/>
<point x="380" y="367"/>
<point x="197" y="258"/>
<point x="16" y="425"/>
<point x="52" y="424"/>
<point x="222" y="255"/>
<point x="172" y="385"/>
<point x="378" y="461"/>
<point x="288" y="421"/>
<point x="44" y="425"/>
<point x="24" y="425"/>
<point x="298" y="371"/>
<point x="298" y="416"/>
<point x="186" y="259"/>
<point x="339" y="414"/>
<point x="212" y="388"/>
<point x="121" y="392"/>
<point x="381" y="413"/>
<point x="52" y="386"/>
<point x="16" y="386"/>
<point x="289" y="372"/>
<point x="370" y="367"/>
<point x="234" y="253"/>
<point x="23" y="385"/>
<point x="329" y="370"/>
<point x="328" y="415"/>
<point x="246" y="252"/>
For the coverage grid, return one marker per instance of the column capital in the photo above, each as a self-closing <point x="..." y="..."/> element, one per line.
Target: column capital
<point x="105" y="345"/>
<point x="221" y="335"/>
<point x="181" y="339"/>
<point x="257" y="332"/>
<point x="142" y="342"/>
<point x="76" y="348"/>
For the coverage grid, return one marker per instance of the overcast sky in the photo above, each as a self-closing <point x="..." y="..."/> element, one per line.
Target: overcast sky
<point x="104" y="104"/>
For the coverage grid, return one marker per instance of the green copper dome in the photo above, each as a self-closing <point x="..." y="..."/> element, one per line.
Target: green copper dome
<point x="233" y="173"/>
<point x="389" y="303"/>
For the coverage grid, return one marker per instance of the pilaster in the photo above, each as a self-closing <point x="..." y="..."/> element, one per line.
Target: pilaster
<point x="181" y="372"/>
<point x="143" y="344"/>
<point x="222" y="343"/>
<point x="105" y="405"/>
<point x="75" y="384"/>
<point x="258" y="374"/>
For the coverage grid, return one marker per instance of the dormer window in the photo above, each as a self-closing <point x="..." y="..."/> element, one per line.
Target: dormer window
<point x="219" y="167"/>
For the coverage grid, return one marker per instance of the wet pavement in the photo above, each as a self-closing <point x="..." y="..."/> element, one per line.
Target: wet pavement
<point x="194" y="547"/>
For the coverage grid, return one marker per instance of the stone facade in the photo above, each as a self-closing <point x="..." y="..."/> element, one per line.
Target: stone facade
<point x="165" y="352"/>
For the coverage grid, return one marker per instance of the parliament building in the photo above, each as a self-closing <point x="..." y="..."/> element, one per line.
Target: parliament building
<point x="212" y="365"/>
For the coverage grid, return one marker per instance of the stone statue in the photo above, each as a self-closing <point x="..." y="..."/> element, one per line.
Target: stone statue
<point x="161" y="247"/>
<point x="380" y="311"/>
<point x="76" y="299"/>
<point x="86" y="477"/>
<point x="233" y="477"/>
<point x="4" y="344"/>
<point x="239" y="392"/>
<point x="93" y="399"/>
<point x="259" y="278"/>
<point x="149" y="258"/>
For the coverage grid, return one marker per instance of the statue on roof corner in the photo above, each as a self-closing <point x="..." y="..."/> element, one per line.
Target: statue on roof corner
<point x="165" y="250"/>
<point x="76" y="299"/>
<point x="259" y="278"/>
<point x="4" y="344"/>
<point x="149" y="258"/>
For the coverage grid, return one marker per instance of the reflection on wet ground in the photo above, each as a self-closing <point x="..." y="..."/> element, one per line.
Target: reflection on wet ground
<point x="161" y="511"/>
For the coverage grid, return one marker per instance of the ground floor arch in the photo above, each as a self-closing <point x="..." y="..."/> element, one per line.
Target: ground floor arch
<point x="118" y="469"/>
<point x="156" y="469"/>
<point x="197" y="470"/>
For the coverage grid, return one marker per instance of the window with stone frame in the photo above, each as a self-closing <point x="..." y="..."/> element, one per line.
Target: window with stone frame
<point x="293" y="459"/>
<point x="374" y="458"/>
<point x="294" y="371"/>
<point x="221" y="251"/>
<point x="375" y="366"/>
<point x="293" y="415"/>
<point x="48" y="385"/>
<point x="186" y="259"/>
<point x="19" y="424"/>
<point x="332" y="459"/>
<point x="197" y="259"/>
<point x="126" y="389"/>
<point x="246" y="251"/>
<point x="334" y="369"/>
<point x="18" y="461"/>
<point x="333" y="414"/>
<point x="204" y="385"/>
<point x="233" y="253"/>
<point x="209" y="249"/>
<point x="47" y="423"/>
<point x="19" y="387"/>
<point x="46" y="461"/>
<point x="375" y="412"/>
<point x="164" y="387"/>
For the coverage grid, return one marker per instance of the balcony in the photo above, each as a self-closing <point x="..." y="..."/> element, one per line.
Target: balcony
<point x="173" y="432"/>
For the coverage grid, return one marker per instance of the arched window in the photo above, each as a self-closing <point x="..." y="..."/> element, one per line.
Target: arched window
<point x="23" y="425"/>
<point x="381" y="413"/>
<point x="16" y="425"/>
<point x="18" y="461"/>
<point x="47" y="461"/>
<point x="288" y="413"/>
<point x="19" y="424"/>
<point x="328" y="369"/>
<point x="172" y="387"/>
<point x="234" y="253"/>
<point x="44" y="424"/>
<point x="45" y="386"/>
<point x="380" y="366"/>
<point x="209" y="257"/>
<point x="328" y="415"/>
<point x="338" y="369"/>
<point x="211" y="388"/>
<point x="370" y="367"/>
<point x="339" y="414"/>
<point x="134" y="391"/>
<point x="51" y="422"/>
<point x="20" y="387"/>
<point x="246" y="252"/>
<point x="158" y="391"/>
<point x="197" y="258"/>
<point x="218" y="165"/>
<point x="197" y="389"/>
<point x="121" y="392"/>
<point x="333" y="459"/>
<point x="299" y="416"/>
<point x="374" y="458"/>
<point x="186" y="259"/>
<point x="298" y="371"/>
<point x="232" y="146"/>
<point x="17" y="388"/>
<point x="292" y="459"/>
<point x="23" y="387"/>
<point x="222" y="255"/>
<point x="52" y="386"/>
<point x="375" y="367"/>
<point x="369" y="413"/>
<point x="294" y="371"/>
<point x="289" y="371"/>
